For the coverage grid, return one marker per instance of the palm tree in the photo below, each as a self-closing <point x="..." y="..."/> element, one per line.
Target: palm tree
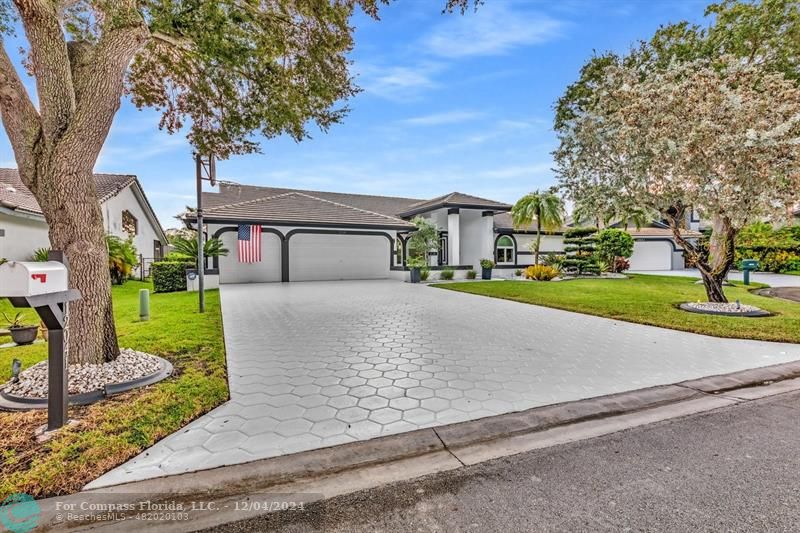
<point x="545" y="208"/>
<point x="188" y="248"/>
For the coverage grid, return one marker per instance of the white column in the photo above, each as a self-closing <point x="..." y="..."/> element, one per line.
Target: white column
<point x="453" y="237"/>
<point x="487" y="236"/>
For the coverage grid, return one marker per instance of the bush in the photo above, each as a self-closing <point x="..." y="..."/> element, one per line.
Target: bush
<point x="580" y="247"/>
<point x="41" y="255"/>
<point x="621" y="264"/>
<point x="487" y="263"/>
<point x="612" y="243"/>
<point x="541" y="272"/>
<point x="554" y="260"/>
<point x="447" y="274"/>
<point x="169" y="276"/>
<point x="776" y="250"/>
<point x="518" y="272"/>
<point x="471" y="274"/>
<point x="424" y="273"/>
<point x="122" y="257"/>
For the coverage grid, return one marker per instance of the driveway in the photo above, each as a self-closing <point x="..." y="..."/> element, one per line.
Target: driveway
<point x="323" y="363"/>
<point x="773" y="280"/>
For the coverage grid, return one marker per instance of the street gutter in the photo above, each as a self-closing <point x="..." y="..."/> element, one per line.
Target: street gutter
<point x="325" y="473"/>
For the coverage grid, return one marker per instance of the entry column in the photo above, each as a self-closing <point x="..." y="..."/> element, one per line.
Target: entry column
<point x="453" y="237"/>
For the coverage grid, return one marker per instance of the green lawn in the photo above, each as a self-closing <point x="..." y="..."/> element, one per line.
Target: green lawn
<point x="649" y="300"/>
<point x="112" y="431"/>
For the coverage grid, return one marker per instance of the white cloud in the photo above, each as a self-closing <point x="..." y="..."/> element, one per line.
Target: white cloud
<point x="446" y="117"/>
<point x="494" y="29"/>
<point x="397" y="82"/>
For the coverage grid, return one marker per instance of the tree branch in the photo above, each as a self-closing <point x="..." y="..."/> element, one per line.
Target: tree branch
<point x="50" y="61"/>
<point x="20" y="119"/>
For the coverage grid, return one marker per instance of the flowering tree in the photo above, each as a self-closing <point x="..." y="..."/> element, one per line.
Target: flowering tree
<point x="721" y="136"/>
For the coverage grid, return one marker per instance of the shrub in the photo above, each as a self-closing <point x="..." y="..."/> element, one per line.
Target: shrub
<point x="621" y="264"/>
<point x="169" y="276"/>
<point x="487" y="263"/>
<point x="612" y="243"/>
<point x="580" y="246"/>
<point x="447" y="274"/>
<point x="122" y="257"/>
<point x="186" y="249"/>
<point x="424" y="273"/>
<point x="541" y="272"/>
<point x="40" y="255"/>
<point x="518" y="272"/>
<point x="416" y="262"/>
<point x="554" y="260"/>
<point x="471" y="274"/>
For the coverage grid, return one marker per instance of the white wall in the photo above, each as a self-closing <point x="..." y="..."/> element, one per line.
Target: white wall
<point x="232" y="271"/>
<point x="473" y="238"/>
<point x="21" y="237"/>
<point x="112" y="216"/>
<point x="550" y="243"/>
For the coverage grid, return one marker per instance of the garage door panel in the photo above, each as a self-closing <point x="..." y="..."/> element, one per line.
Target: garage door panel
<point x="268" y="270"/>
<point x="315" y="257"/>
<point x="651" y="255"/>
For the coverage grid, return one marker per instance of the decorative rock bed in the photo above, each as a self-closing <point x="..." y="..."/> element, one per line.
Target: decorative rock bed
<point x="87" y="382"/>
<point x="724" y="309"/>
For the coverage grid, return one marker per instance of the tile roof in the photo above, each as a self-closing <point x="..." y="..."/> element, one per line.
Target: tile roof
<point x="295" y="207"/>
<point x="455" y="199"/>
<point x="15" y="195"/>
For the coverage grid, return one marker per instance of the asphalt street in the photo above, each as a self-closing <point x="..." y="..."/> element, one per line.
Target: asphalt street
<point x="734" y="469"/>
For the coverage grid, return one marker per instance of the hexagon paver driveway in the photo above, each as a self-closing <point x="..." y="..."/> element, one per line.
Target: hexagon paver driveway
<point x="324" y="363"/>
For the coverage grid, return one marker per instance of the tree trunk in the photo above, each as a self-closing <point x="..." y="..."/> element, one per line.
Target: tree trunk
<point x="721" y="253"/>
<point x="68" y="199"/>
<point x="536" y="245"/>
<point x="713" y="285"/>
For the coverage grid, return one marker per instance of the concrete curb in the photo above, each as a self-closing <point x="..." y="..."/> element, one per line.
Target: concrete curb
<point x="358" y="465"/>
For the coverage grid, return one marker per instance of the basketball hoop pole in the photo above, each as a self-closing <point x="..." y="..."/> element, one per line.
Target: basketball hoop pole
<point x="202" y="165"/>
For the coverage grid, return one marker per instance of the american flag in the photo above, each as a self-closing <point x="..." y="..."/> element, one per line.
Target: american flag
<point x="249" y="241"/>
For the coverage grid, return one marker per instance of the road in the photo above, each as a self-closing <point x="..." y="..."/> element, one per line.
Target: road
<point x="734" y="469"/>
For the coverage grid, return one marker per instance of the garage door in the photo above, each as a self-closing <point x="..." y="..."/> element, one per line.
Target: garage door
<point x="331" y="257"/>
<point x="651" y="255"/>
<point x="269" y="269"/>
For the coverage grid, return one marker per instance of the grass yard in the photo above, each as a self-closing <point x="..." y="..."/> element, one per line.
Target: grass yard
<point x="114" y="430"/>
<point x="649" y="300"/>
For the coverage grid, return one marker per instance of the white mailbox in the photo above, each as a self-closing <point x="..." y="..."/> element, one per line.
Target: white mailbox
<point x="20" y="278"/>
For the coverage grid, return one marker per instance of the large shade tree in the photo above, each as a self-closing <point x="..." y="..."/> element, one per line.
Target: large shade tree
<point x="715" y="119"/>
<point x="227" y="69"/>
<point x="545" y="208"/>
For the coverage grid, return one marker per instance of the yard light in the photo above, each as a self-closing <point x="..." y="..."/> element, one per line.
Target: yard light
<point x="205" y="167"/>
<point x="144" y="304"/>
<point x="16" y="366"/>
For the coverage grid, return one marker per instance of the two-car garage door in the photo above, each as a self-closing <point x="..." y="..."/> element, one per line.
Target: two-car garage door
<point x="651" y="255"/>
<point x="315" y="257"/>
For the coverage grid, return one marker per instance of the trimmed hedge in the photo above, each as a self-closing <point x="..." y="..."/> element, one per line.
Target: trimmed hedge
<point x="169" y="276"/>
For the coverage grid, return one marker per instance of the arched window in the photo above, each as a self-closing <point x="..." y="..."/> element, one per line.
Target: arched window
<point x="504" y="251"/>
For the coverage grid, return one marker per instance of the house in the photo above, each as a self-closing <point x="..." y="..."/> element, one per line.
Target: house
<point x="316" y="235"/>
<point x="126" y="213"/>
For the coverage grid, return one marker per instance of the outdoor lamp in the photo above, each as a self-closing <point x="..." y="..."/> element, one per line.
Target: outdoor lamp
<point x="16" y="366"/>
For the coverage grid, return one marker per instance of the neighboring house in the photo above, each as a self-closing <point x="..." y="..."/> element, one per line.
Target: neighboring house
<point x="126" y="213"/>
<point x="315" y="235"/>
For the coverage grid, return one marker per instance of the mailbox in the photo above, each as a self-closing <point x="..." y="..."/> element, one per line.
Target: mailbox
<point x="22" y="279"/>
<point x="749" y="264"/>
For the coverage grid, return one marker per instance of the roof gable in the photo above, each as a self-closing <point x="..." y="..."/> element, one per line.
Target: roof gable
<point x="454" y="199"/>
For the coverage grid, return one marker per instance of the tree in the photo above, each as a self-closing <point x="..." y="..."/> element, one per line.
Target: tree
<point x="228" y="69"/>
<point x="763" y="37"/>
<point x="579" y="245"/>
<point x="423" y="240"/>
<point x="612" y="243"/>
<point x="721" y="137"/>
<point x="545" y="208"/>
<point x="186" y="248"/>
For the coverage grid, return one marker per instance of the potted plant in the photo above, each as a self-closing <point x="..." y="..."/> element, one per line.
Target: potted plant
<point x="21" y="333"/>
<point x="486" y="268"/>
<point x="415" y="264"/>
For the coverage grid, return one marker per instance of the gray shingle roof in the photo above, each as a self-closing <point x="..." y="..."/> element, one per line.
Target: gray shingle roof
<point x="455" y="199"/>
<point x="15" y="195"/>
<point x="294" y="207"/>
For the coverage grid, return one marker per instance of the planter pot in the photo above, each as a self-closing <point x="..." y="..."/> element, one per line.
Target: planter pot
<point x="486" y="273"/>
<point x="415" y="276"/>
<point x="24" y="335"/>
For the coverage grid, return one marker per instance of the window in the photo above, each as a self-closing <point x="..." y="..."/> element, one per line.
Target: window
<point x="129" y="223"/>
<point x="443" y="249"/>
<point x="398" y="252"/>
<point x="504" y="251"/>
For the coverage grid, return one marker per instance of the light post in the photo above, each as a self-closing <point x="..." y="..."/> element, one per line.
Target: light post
<point x="205" y="169"/>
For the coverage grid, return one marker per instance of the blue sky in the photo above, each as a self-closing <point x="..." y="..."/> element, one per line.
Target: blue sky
<point x="450" y="103"/>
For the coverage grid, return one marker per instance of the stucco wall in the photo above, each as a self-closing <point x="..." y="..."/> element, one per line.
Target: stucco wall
<point x="146" y="235"/>
<point x="473" y="239"/>
<point x="21" y="237"/>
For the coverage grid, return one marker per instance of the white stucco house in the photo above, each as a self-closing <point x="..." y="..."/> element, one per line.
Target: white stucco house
<point x="316" y="235"/>
<point x="126" y="212"/>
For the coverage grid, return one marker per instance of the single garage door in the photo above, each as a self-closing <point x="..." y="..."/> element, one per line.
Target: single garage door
<point x="651" y="255"/>
<point x="315" y="257"/>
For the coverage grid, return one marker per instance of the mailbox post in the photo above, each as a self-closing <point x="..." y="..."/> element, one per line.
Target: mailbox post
<point x="748" y="265"/>
<point x="43" y="287"/>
